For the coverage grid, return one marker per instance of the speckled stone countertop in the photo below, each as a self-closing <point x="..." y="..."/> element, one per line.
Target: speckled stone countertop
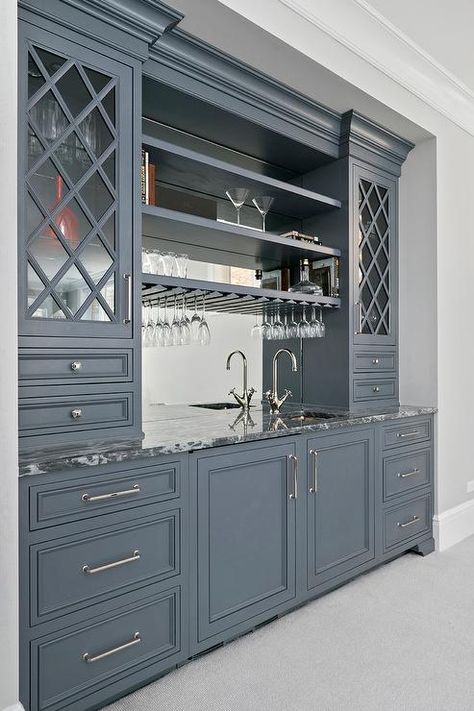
<point x="181" y="428"/>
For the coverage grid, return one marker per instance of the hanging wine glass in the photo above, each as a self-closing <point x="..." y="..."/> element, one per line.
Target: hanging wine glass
<point x="176" y="332"/>
<point x="256" y="331"/>
<point x="303" y="326"/>
<point x="185" y="325"/>
<point x="167" y="337"/>
<point x="292" y="327"/>
<point x="195" y="323"/>
<point x="237" y="196"/>
<point x="322" y="325"/>
<point x="263" y="204"/>
<point x="204" y="334"/>
<point x="278" y="330"/>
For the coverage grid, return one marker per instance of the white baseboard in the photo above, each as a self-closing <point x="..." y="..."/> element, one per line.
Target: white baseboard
<point x="454" y="525"/>
<point x="15" y="707"/>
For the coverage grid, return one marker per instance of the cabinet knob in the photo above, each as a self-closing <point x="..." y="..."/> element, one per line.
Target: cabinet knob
<point x="76" y="413"/>
<point x="376" y="389"/>
<point x="76" y="365"/>
<point x="375" y="361"/>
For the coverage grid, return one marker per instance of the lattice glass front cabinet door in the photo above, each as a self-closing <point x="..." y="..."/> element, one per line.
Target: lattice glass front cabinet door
<point x="76" y="190"/>
<point x="375" y="258"/>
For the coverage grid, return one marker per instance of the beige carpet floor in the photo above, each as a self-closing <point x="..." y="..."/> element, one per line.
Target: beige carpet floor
<point x="399" y="638"/>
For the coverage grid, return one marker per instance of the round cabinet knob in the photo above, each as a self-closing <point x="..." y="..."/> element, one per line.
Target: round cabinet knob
<point x="376" y="389"/>
<point x="76" y="413"/>
<point x="76" y="365"/>
<point x="375" y="361"/>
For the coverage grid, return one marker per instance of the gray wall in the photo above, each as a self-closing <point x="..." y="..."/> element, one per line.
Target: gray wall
<point x="8" y="376"/>
<point x="418" y="289"/>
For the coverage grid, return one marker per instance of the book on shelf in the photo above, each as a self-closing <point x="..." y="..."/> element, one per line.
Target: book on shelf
<point x="148" y="179"/>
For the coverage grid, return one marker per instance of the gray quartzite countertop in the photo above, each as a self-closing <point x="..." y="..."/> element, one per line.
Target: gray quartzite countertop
<point x="182" y="428"/>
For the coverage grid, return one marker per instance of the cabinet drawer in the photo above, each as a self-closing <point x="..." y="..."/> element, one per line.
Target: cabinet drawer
<point x="374" y="361"/>
<point x="400" y="435"/>
<point x="406" y="472"/>
<point x="53" y="366"/>
<point x="73" y="572"/>
<point x="74" y="663"/>
<point x="51" y="505"/>
<point x="407" y="521"/>
<point x="374" y="389"/>
<point x="74" y="413"/>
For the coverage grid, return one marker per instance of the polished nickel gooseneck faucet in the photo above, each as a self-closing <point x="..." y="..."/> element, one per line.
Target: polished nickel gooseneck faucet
<point x="244" y="399"/>
<point x="272" y="395"/>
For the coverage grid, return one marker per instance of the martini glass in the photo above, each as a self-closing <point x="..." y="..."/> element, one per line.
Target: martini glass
<point x="263" y="204"/>
<point x="237" y="196"/>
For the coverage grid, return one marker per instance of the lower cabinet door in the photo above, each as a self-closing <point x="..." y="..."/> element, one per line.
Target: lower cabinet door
<point x="246" y="535"/>
<point x="340" y="496"/>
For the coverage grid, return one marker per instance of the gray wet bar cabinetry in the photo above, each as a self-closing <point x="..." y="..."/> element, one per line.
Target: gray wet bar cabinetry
<point x="138" y="555"/>
<point x="130" y="569"/>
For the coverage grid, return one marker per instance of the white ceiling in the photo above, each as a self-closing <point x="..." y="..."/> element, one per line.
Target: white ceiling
<point x="442" y="29"/>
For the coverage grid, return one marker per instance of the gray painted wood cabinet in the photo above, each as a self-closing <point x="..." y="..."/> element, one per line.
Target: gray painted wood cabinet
<point x="245" y="528"/>
<point x="78" y="177"/>
<point x="202" y="548"/>
<point x="340" y="498"/>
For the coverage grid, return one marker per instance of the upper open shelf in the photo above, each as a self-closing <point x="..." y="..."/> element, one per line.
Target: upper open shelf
<point x="191" y="170"/>
<point x="222" y="243"/>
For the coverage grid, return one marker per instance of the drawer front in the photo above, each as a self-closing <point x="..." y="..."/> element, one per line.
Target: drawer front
<point x="75" y="572"/>
<point x="97" y="495"/>
<point x="399" y="435"/>
<point x="54" y="366"/>
<point x="74" y="413"/>
<point x="374" y="389"/>
<point x="406" y="472"/>
<point x="73" y="664"/>
<point x="407" y="521"/>
<point x="374" y="361"/>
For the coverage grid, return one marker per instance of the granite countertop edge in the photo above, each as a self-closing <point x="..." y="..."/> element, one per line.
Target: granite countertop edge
<point x="161" y="439"/>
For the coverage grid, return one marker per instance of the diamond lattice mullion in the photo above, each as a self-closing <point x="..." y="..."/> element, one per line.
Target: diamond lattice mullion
<point x="99" y="96"/>
<point x="49" y="290"/>
<point x="73" y="192"/>
<point x="48" y="80"/>
<point x="95" y="294"/>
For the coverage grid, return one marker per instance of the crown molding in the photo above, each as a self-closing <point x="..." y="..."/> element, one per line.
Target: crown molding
<point x="147" y="20"/>
<point x="130" y="26"/>
<point x="197" y="67"/>
<point x="362" y="137"/>
<point x="359" y="27"/>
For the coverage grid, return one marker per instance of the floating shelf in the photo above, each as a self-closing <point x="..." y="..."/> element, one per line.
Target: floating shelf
<point x="229" y="298"/>
<point x="223" y="243"/>
<point x="191" y="170"/>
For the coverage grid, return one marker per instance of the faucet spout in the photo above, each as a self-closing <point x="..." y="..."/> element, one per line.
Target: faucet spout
<point x="272" y="395"/>
<point x="244" y="399"/>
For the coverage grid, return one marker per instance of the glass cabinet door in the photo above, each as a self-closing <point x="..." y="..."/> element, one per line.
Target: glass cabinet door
<point x="76" y="217"/>
<point x="375" y="280"/>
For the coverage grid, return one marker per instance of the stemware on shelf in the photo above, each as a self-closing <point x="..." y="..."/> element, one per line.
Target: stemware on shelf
<point x="263" y="204"/>
<point x="237" y="196"/>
